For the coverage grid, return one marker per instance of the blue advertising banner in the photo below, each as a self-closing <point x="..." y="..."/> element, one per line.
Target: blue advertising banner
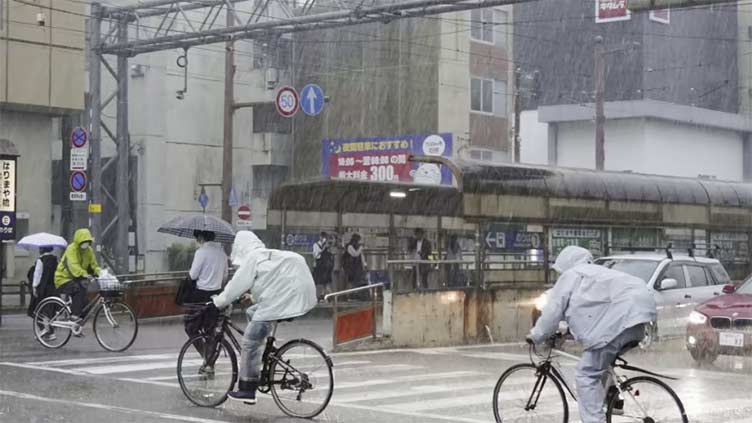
<point x="500" y="237"/>
<point x="385" y="159"/>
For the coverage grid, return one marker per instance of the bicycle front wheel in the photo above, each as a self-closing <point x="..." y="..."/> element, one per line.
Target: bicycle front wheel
<point x="646" y="400"/>
<point x="301" y="379"/>
<point x="50" y="319"/>
<point x="207" y="370"/>
<point x="115" y="326"/>
<point x="522" y="395"/>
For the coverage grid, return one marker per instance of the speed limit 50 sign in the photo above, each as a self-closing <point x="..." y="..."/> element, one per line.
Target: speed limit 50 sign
<point x="287" y="101"/>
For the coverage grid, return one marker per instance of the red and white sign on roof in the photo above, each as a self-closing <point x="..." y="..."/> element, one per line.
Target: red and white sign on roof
<point x="611" y="11"/>
<point x="661" y="16"/>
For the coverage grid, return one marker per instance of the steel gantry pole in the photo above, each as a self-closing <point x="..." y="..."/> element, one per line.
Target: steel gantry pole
<point x="95" y="130"/>
<point x="123" y="148"/>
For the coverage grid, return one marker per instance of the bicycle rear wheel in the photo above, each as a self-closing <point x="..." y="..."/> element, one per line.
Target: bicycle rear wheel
<point x="647" y="400"/>
<point x="520" y="395"/>
<point x="301" y="379"/>
<point x="49" y="314"/>
<point x="207" y="370"/>
<point x="115" y="326"/>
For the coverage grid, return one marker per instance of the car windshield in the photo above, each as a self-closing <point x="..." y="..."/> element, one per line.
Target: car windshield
<point x="642" y="269"/>
<point x="746" y="287"/>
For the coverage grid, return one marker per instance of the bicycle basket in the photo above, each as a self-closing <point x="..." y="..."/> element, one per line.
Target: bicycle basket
<point x="110" y="287"/>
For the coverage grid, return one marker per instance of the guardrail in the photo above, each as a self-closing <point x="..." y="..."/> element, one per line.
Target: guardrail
<point x="410" y="275"/>
<point x="354" y="324"/>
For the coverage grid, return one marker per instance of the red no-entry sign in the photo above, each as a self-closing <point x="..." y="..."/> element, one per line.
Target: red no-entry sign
<point x="244" y="213"/>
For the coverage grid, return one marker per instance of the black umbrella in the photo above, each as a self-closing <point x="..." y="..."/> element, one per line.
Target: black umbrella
<point x="184" y="226"/>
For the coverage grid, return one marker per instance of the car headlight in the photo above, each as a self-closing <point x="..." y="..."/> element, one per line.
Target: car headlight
<point x="696" y="318"/>
<point x="541" y="301"/>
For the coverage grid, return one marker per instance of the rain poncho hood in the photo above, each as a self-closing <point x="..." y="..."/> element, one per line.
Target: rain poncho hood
<point x="596" y="302"/>
<point x="570" y="257"/>
<point x="279" y="281"/>
<point x="77" y="263"/>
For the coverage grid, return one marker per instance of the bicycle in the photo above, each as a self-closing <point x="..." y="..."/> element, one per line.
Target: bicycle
<point x="298" y="374"/>
<point x="115" y="324"/>
<point x="645" y="399"/>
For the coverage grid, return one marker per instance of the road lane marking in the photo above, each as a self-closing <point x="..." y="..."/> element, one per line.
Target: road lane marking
<point x="128" y="368"/>
<point x="121" y="359"/>
<point x="48" y="369"/>
<point x="413" y="378"/>
<point x="124" y="410"/>
<point x="410" y="391"/>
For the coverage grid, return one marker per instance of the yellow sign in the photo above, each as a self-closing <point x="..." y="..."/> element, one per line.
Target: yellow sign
<point x="95" y="208"/>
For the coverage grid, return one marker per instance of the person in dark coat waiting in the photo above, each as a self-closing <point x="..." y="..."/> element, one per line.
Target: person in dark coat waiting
<point x="43" y="284"/>
<point x="420" y="249"/>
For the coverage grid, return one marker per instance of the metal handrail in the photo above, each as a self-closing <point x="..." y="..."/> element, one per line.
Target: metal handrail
<point x="352" y="290"/>
<point x="430" y="262"/>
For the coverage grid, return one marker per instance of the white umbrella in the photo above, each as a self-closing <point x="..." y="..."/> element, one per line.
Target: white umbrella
<point x="42" y="239"/>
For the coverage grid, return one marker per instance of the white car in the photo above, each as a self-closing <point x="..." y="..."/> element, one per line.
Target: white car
<point x="679" y="283"/>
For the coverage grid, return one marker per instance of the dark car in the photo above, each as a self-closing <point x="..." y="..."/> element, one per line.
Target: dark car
<point x="722" y="325"/>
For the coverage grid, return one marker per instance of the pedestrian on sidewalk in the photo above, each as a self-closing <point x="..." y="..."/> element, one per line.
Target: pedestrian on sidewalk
<point x="42" y="280"/>
<point x="209" y="270"/>
<point x="420" y="249"/>
<point x="354" y="263"/>
<point x="323" y="266"/>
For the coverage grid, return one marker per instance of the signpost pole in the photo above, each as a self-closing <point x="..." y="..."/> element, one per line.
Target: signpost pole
<point x="8" y="189"/>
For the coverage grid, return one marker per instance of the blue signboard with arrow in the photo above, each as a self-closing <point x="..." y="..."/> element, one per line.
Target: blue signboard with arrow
<point x="312" y="99"/>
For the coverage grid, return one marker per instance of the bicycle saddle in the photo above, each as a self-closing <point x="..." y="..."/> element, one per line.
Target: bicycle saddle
<point x="630" y="345"/>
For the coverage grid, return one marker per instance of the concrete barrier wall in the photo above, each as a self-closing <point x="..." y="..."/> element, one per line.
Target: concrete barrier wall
<point x="456" y="317"/>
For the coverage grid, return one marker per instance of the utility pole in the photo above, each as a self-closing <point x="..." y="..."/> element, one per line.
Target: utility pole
<point x="95" y="87"/>
<point x="517" y="111"/>
<point x="229" y="120"/>
<point x="600" y="88"/>
<point x="122" y="191"/>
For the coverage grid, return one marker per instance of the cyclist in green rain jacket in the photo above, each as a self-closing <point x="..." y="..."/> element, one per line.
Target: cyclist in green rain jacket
<point x="75" y="267"/>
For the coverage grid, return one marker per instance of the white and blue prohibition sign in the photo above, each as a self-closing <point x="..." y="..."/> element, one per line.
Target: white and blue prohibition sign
<point x="312" y="99"/>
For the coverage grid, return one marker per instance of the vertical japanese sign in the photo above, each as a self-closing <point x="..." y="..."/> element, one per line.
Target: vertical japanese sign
<point x="662" y="16"/>
<point x="7" y="198"/>
<point x="611" y="11"/>
<point x="386" y="159"/>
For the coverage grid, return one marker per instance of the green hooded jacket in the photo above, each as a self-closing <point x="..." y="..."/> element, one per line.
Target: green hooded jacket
<point x="77" y="263"/>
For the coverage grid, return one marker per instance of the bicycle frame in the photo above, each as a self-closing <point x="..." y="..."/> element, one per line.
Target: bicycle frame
<point x="89" y="310"/>
<point x="268" y="356"/>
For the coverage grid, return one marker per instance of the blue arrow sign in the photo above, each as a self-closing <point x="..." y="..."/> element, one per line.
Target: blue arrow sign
<point x="312" y="99"/>
<point x="233" y="200"/>
<point x="203" y="199"/>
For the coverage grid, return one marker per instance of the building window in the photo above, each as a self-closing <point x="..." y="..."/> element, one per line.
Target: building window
<point x="482" y="25"/>
<point x="486" y="96"/>
<point x="483" y="155"/>
<point x="501" y="29"/>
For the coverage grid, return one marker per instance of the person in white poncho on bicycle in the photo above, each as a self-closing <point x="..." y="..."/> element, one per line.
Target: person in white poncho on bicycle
<point x="282" y="288"/>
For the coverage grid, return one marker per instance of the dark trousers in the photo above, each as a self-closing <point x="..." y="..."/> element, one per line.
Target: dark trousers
<point x="422" y="281"/>
<point x="198" y="323"/>
<point x="76" y="290"/>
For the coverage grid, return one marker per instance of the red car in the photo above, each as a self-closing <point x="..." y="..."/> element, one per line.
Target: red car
<point x="722" y="325"/>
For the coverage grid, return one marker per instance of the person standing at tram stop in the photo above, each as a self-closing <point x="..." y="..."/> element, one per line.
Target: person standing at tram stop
<point x="354" y="263"/>
<point x="420" y="249"/>
<point x="78" y="263"/>
<point x="209" y="269"/>
<point x="323" y="266"/>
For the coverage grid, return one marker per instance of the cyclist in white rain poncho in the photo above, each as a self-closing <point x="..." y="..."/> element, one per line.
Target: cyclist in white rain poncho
<point x="606" y="311"/>
<point x="282" y="288"/>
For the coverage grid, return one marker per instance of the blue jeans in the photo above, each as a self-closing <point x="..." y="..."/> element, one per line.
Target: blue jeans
<point x="592" y="373"/>
<point x="251" y="347"/>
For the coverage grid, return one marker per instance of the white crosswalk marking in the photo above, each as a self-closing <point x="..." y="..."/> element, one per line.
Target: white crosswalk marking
<point x="404" y="386"/>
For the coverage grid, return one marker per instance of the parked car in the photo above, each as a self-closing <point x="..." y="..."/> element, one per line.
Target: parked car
<point x="679" y="283"/>
<point x="722" y="325"/>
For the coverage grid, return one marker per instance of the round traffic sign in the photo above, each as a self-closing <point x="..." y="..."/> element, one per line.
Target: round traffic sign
<point x="78" y="181"/>
<point x="244" y="212"/>
<point x="6" y="220"/>
<point x="287" y="101"/>
<point x="312" y="99"/>
<point x="79" y="137"/>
